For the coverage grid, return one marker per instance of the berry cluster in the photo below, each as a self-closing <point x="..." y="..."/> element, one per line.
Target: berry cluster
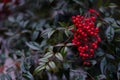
<point x="86" y="36"/>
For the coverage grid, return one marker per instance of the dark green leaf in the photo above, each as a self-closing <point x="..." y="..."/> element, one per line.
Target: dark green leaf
<point x="2" y="76"/>
<point x="66" y="66"/>
<point x="102" y="9"/>
<point x="63" y="51"/>
<point x="118" y="22"/>
<point x="35" y="35"/>
<point x="59" y="56"/>
<point x="67" y="33"/>
<point x="69" y="44"/>
<point x="110" y="33"/>
<point x="103" y="65"/>
<point x="80" y="77"/>
<point x="43" y="60"/>
<point x="52" y="65"/>
<point x="11" y="19"/>
<point x="101" y="77"/>
<point x="61" y="44"/>
<point x="10" y="69"/>
<point x="80" y="3"/>
<point x="50" y="33"/>
<point x="8" y="77"/>
<point x="109" y="20"/>
<point x="63" y="24"/>
<point x="81" y="10"/>
<point x="93" y="62"/>
<point x="99" y="24"/>
<point x="112" y="5"/>
<point x="47" y="67"/>
<point x="39" y="68"/>
<point x="28" y="75"/>
<point x="110" y="56"/>
<point x="48" y="55"/>
<point x="19" y="53"/>
<point x="33" y="45"/>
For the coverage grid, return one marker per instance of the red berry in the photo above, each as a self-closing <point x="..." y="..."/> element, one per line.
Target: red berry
<point x="84" y="63"/>
<point x="91" y="51"/>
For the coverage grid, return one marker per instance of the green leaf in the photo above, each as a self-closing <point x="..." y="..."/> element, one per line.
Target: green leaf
<point x="18" y="53"/>
<point x="45" y="32"/>
<point x="101" y="77"/>
<point x="42" y="63"/>
<point x="35" y="35"/>
<point x="33" y="45"/>
<point x="52" y="65"/>
<point x="28" y="75"/>
<point x="63" y="51"/>
<point x="43" y="60"/>
<point x="67" y="33"/>
<point x="9" y="33"/>
<point x="48" y="55"/>
<point x="19" y="18"/>
<point x="118" y="22"/>
<point x="66" y="66"/>
<point x="8" y="77"/>
<point x="112" y="5"/>
<point x="93" y="62"/>
<point x="109" y="20"/>
<point x="80" y="3"/>
<point x="2" y="76"/>
<point x="80" y="77"/>
<point x="100" y="53"/>
<point x="50" y="49"/>
<point x="9" y="69"/>
<point x="63" y="24"/>
<point x="81" y="10"/>
<point x="110" y="56"/>
<point x="25" y="24"/>
<point x="61" y="44"/>
<point x="99" y="24"/>
<point x="39" y="68"/>
<point x="11" y="19"/>
<point x="51" y="33"/>
<point x="103" y="65"/>
<point x="69" y="44"/>
<point x="47" y="67"/>
<point x="110" y="33"/>
<point x="102" y="9"/>
<point x="59" y="56"/>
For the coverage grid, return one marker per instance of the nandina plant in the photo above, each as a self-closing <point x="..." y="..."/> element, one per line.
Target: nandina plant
<point x="59" y="40"/>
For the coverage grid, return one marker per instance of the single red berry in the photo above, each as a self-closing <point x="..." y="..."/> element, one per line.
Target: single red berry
<point x="84" y="63"/>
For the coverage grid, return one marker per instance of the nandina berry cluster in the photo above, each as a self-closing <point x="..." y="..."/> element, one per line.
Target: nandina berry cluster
<point x="86" y="36"/>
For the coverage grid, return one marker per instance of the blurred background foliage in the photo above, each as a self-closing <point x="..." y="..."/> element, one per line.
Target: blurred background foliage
<point x="35" y="35"/>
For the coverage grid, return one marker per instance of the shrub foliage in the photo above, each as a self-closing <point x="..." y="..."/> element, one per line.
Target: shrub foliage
<point x="37" y="36"/>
